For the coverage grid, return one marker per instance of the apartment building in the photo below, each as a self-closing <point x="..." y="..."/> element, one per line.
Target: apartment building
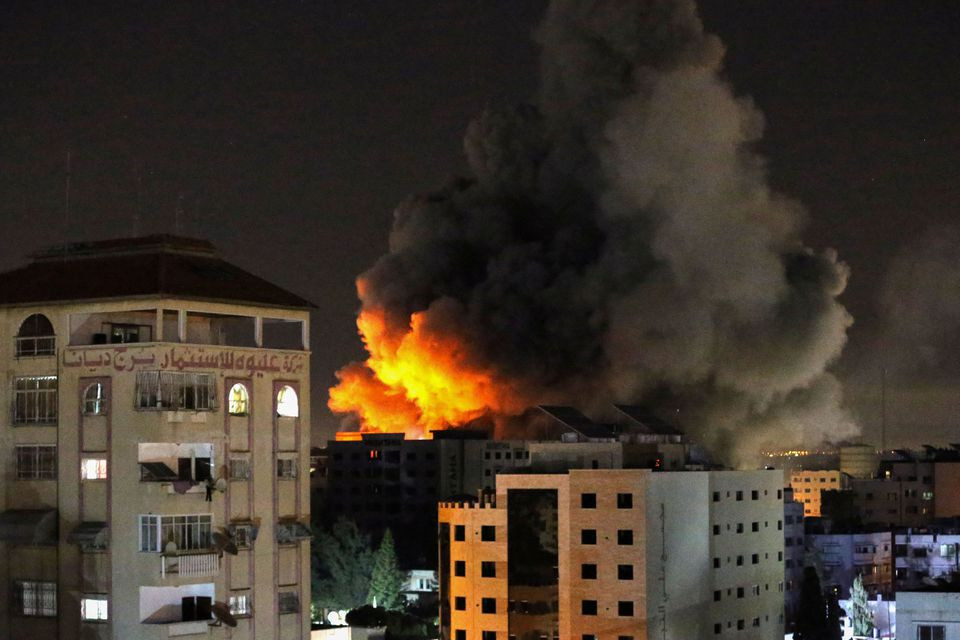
<point x="921" y="556"/>
<point x="840" y="557"/>
<point x="794" y="556"/>
<point x="157" y="417"/>
<point x="612" y="554"/>
<point x="808" y="485"/>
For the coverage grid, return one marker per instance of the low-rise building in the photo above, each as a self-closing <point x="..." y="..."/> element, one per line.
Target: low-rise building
<point x="840" y="557"/>
<point x="615" y="554"/>
<point x="929" y="614"/>
<point x="920" y="557"/>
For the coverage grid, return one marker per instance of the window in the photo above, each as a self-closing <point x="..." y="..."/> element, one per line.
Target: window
<point x="588" y="571"/>
<point x="488" y="569"/>
<point x="625" y="608"/>
<point x="286" y="468"/>
<point x="624" y="572"/>
<point x="242" y="535"/>
<point x="588" y="607"/>
<point x="624" y="501"/>
<point x="755" y="526"/>
<point x="754" y="495"/>
<point x="488" y="635"/>
<point x="716" y="563"/>
<point x="717" y="628"/>
<point x="240" y="605"/>
<point x="460" y="603"/>
<point x="287" y="405"/>
<point x="288" y="602"/>
<point x="171" y="390"/>
<point x="239" y="469"/>
<point x="756" y="622"/>
<point x="588" y="536"/>
<point x="740" y="625"/>
<point x="739" y="496"/>
<point x="93" y="468"/>
<point x="36" y="462"/>
<point x="488" y="605"/>
<point x="588" y="501"/>
<point x="460" y="568"/>
<point x="35" y="400"/>
<point x="624" y="536"/>
<point x="716" y="596"/>
<point x="755" y="558"/>
<point x="488" y="533"/>
<point x="739" y="592"/>
<point x="94" y="400"/>
<point x="931" y="632"/>
<point x="460" y="634"/>
<point x="36" y="337"/>
<point x="31" y="598"/>
<point x="93" y="608"/>
<point x="739" y="527"/>
<point x="186" y="532"/>
<point x="238" y="402"/>
<point x="779" y="525"/>
<point x="739" y="561"/>
<point x="716" y="529"/>
<point x="459" y="532"/>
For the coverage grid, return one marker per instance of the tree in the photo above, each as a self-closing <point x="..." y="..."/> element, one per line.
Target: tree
<point x="386" y="580"/>
<point x="834" y="630"/>
<point x="343" y="563"/>
<point x="860" y="614"/>
<point x="812" y="610"/>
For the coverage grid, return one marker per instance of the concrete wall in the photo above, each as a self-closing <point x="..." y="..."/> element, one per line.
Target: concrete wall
<point x="920" y="608"/>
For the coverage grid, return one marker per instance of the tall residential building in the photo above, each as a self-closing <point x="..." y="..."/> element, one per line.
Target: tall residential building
<point x="157" y="415"/>
<point x="611" y="554"/>
<point x="808" y="485"/>
<point x="793" y="551"/>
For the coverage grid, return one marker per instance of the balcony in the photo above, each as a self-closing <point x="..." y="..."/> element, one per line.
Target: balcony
<point x="198" y="563"/>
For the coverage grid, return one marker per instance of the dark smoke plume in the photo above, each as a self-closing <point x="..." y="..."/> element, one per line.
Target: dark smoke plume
<point x="618" y="242"/>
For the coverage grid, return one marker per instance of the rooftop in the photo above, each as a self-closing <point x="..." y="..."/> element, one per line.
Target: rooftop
<point x="145" y="267"/>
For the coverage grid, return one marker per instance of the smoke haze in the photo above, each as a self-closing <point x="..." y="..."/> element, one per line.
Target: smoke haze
<point x="615" y="242"/>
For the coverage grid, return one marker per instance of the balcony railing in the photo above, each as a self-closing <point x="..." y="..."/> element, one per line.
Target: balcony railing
<point x="192" y="564"/>
<point x="36" y="346"/>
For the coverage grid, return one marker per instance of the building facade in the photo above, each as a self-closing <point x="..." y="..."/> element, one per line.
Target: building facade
<point x="794" y="556"/>
<point x="615" y="554"/>
<point x="930" y="614"/>
<point x="158" y="417"/>
<point x="808" y="485"/>
<point x="840" y="557"/>
<point x="923" y="556"/>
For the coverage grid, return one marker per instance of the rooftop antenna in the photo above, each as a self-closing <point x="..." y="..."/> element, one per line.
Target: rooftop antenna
<point x="66" y="202"/>
<point x="883" y="409"/>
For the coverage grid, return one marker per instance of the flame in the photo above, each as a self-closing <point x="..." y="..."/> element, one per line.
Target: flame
<point x="415" y="380"/>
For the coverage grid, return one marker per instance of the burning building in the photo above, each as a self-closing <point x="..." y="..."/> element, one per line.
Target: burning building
<point x="617" y="241"/>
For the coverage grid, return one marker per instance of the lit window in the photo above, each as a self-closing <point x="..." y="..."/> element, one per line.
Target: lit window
<point x="94" y="400"/>
<point x="93" y="608"/>
<point x="238" y="400"/>
<point x="35" y="400"/>
<point x="240" y="605"/>
<point x="186" y="532"/>
<point x="93" y="468"/>
<point x="36" y="462"/>
<point x="32" y="598"/>
<point x="287" y="405"/>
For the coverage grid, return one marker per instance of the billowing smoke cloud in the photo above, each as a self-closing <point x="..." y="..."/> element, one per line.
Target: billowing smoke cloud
<point x="616" y="242"/>
<point x="921" y="309"/>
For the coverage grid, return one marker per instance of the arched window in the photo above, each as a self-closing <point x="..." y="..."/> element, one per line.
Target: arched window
<point x="287" y="405"/>
<point x="238" y="400"/>
<point x="94" y="400"/>
<point x="36" y="337"/>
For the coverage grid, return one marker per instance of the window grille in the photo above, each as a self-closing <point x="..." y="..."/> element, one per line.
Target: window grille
<point x="239" y="469"/>
<point x="188" y="532"/>
<point x="240" y="605"/>
<point x="35" y="400"/>
<point x="94" y="400"/>
<point x="174" y="390"/>
<point x="36" y="462"/>
<point x="288" y="602"/>
<point x="238" y="400"/>
<point x="287" y="468"/>
<point x="32" y="598"/>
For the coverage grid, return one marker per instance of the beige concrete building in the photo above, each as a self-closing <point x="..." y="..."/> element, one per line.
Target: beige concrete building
<point x="156" y="395"/>
<point x="611" y="554"/>
<point x="807" y="486"/>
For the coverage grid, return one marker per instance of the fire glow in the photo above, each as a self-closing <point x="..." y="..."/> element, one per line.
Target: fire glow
<point x="415" y="380"/>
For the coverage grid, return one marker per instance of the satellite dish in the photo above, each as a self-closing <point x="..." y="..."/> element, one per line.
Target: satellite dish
<point x="221" y="611"/>
<point x="223" y="542"/>
<point x="170" y="547"/>
<point x="220" y="485"/>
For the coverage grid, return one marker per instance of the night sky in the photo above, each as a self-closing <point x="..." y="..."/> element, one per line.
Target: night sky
<point x="287" y="134"/>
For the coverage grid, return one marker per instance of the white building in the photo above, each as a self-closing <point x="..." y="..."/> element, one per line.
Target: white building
<point x="924" y="555"/>
<point x="794" y="552"/>
<point x="156" y="395"/>
<point x="928" y="615"/>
